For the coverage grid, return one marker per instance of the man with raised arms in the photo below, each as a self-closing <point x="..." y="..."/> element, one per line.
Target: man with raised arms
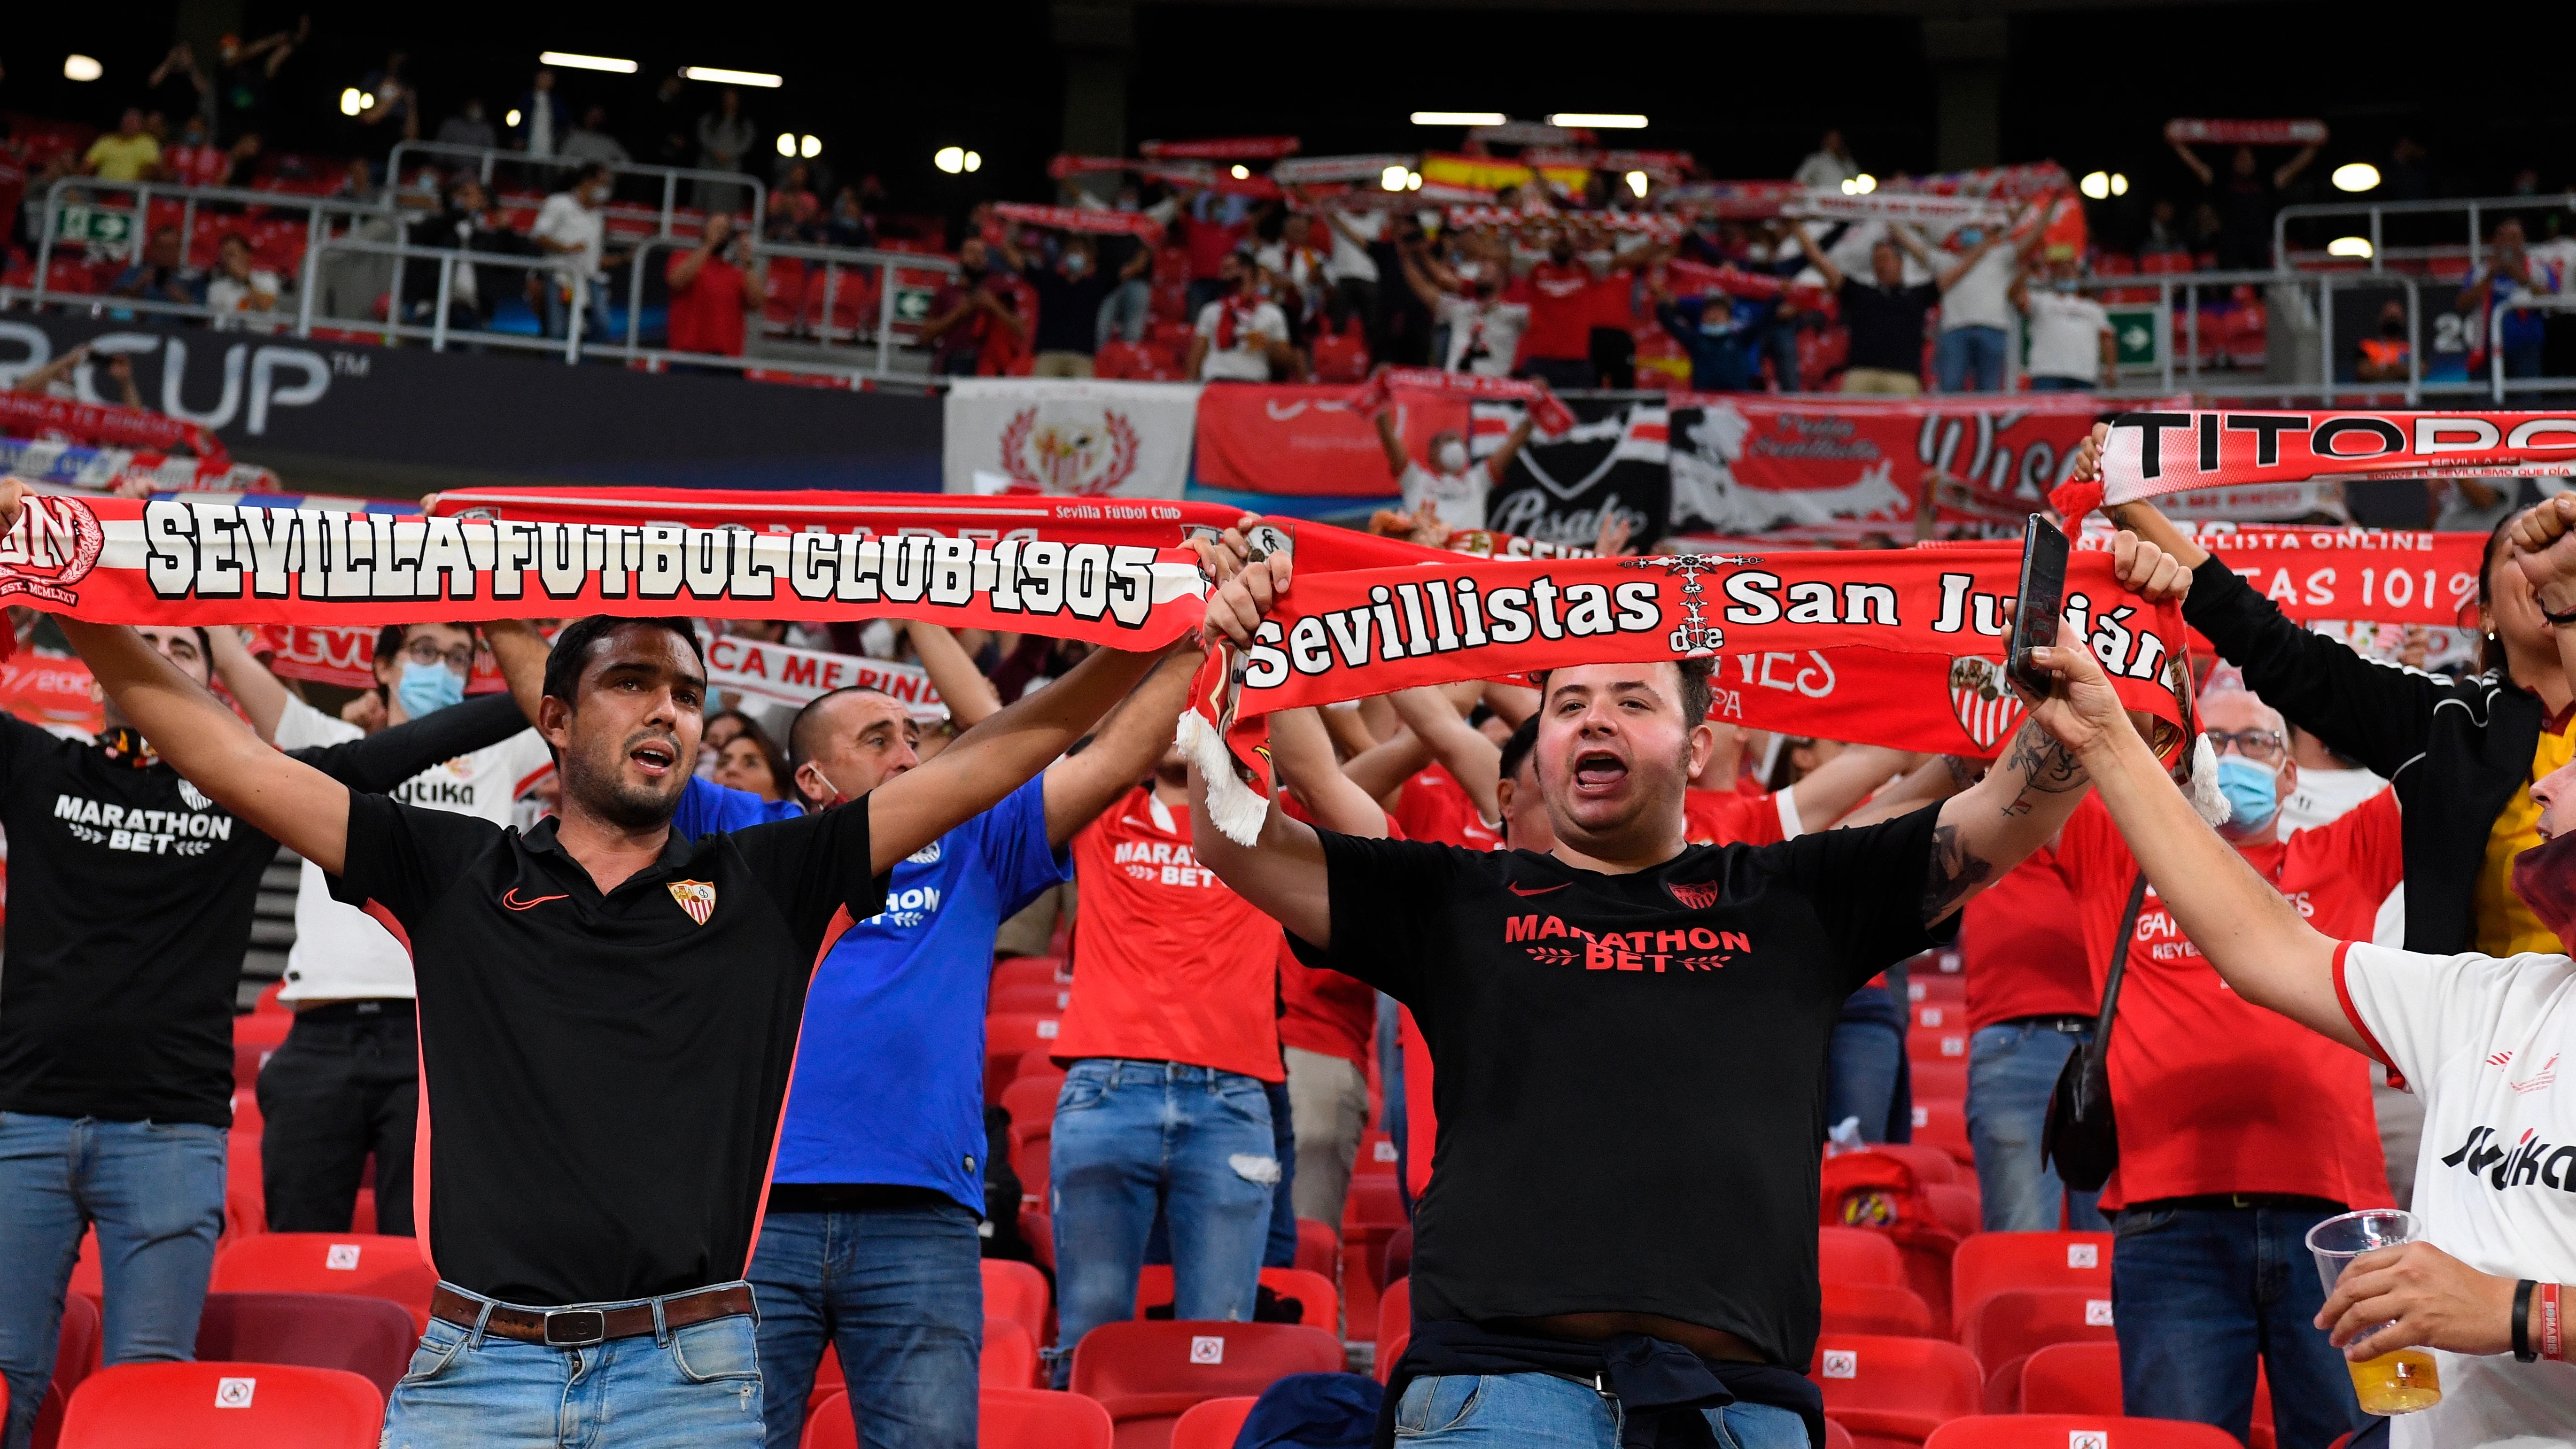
<point x="1630" y="1034"/>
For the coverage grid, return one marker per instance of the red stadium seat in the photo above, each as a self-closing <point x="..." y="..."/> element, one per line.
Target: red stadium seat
<point x="1836" y="1436"/>
<point x="223" y="1406"/>
<point x="1939" y="1015"/>
<point x="1040" y="1419"/>
<point x="1029" y="1165"/>
<point x="1313" y="1291"/>
<point x="352" y="1263"/>
<point x="1948" y="988"/>
<point x="1212" y="1425"/>
<point x="75" y="1358"/>
<point x="269" y="1005"/>
<point x="1894" y="1391"/>
<point x="1010" y="1356"/>
<point x="1930" y="1164"/>
<point x="1036" y="1062"/>
<point x="1319" y="1249"/>
<point x="1017" y="1292"/>
<point x="1370" y="1216"/>
<point x="1943" y="1122"/>
<point x="1394" y="1324"/>
<point x="2005" y="1328"/>
<point x="370" y="1337"/>
<point x="1938" y="1043"/>
<point x="1045" y="998"/>
<point x="1009" y="1036"/>
<point x="1377" y="1156"/>
<point x="782" y="310"/>
<point x="1036" y="1231"/>
<point x="1031" y="1103"/>
<point x="1857" y="1255"/>
<point x="1992" y="1262"/>
<point x="1148" y="1374"/>
<point x="1876" y="1308"/>
<point x="1341" y="357"/>
<point x="2072" y="1378"/>
<point x="828" y="1424"/>
<point x="1943" y="1079"/>
<point x="267" y="1028"/>
<point x="1119" y="358"/>
<point x="245" y="1200"/>
<point x="1956" y="1203"/>
<point x="2058" y="1431"/>
<point x="1028" y="968"/>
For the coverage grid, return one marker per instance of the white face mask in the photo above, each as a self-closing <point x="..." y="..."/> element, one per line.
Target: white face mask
<point x="1452" y="457"/>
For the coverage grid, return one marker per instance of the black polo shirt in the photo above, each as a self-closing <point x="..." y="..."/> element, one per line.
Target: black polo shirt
<point x="602" y="1075"/>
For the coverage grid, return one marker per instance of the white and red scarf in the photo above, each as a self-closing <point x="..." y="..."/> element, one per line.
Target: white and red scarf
<point x="1551" y="412"/>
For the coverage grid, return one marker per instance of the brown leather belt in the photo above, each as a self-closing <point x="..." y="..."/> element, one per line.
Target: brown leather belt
<point x="582" y="1327"/>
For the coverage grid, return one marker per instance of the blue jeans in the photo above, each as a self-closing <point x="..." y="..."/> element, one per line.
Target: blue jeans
<point x="1970" y="359"/>
<point x="1279" y="1247"/>
<point x="1130" y="1138"/>
<point x="1542" y="1411"/>
<point x="1866" y="1064"/>
<point x="2198" y="1293"/>
<point x="2012" y="1072"/>
<point x="594" y="326"/>
<point x="1124" y="312"/>
<point x="689" y="1387"/>
<point x="155" y="1191"/>
<point x="900" y="1291"/>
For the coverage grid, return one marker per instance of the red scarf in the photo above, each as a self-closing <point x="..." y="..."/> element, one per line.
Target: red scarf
<point x="1233" y="310"/>
<point x="1550" y="410"/>
<point x="2150" y="454"/>
<point x="33" y="414"/>
<point x="1082" y="218"/>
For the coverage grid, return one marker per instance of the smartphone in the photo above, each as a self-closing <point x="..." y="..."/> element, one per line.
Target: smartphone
<point x="2039" y="605"/>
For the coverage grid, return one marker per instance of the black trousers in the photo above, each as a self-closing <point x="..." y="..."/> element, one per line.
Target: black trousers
<point x="344" y="1085"/>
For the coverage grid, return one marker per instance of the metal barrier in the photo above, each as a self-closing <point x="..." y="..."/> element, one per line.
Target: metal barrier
<point x="485" y="158"/>
<point x="836" y="262"/>
<point x="2474" y="210"/>
<point x="2191" y="378"/>
<point x="2497" y="383"/>
<point x="316" y="226"/>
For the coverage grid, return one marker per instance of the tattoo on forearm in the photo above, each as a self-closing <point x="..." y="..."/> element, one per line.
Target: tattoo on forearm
<point x="2045" y="765"/>
<point x="1963" y="773"/>
<point x="1953" y="873"/>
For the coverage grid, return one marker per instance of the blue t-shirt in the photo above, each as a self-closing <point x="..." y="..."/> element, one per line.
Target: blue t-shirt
<point x="889" y="1084"/>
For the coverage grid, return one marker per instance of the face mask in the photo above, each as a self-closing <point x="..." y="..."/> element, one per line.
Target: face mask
<point x="2545" y="877"/>
<point x="1452" y="457"/>
<point x="1714" y="322"/>
<point x="1075" y="264"/>
<point x="1969" y="236"/>
<point x="425" y="689"/>
<point x="2062" y="284"/>
<point x="2253" y="793"/>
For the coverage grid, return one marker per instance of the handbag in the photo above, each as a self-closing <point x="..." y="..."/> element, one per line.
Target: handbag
<point x="2082" y="1138"/>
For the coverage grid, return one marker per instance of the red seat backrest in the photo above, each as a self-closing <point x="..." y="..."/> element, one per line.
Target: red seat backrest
<point x="1319" y="1248"/>
<point x="1394" y="1324"/>
<point x="2057" y="1431"/>
<point x="1041" y="1419"/>
<point x="1312" y="1290"/>
<point x="354" y="1263"/>
<point x="2072" y="1378"/>
<point x="828" y="1422"/>
<point x="223" y="1406"/>
<point x="1991" y="1262"/>
<point x="370" y="1337"/>
<point x="1027" y="968"/>
<point x="1899" y="1387"/>
<point x="1836" y="1436"/>
<point x="1148" y="1374"/>
<point x="2018" y="1322"/>
<point x="1942" y="1122"/>
<point x="1045" y="998"/>
<point x="1213" y="1424"/>
<point x="75" y="1354"/>
<point x="1875" y="1308"/>
<point x="1010" y="1356"/>
<point x="1857" y="1255"/>
<point x="1031" y="1103"/>
<point x="2157" y="262"/>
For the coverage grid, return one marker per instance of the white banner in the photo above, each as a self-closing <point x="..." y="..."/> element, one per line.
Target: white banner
<point x="1080" y="438"/>
<point x="785" y="674"/>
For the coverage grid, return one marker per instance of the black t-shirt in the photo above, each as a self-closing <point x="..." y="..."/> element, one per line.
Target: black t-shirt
<point x="1069" y="308"/>
<point x="1886" y="323"/>
<point x="1629" y="1124"/>
<point x="130" y="904"/>
<point x="603" y="1074"/>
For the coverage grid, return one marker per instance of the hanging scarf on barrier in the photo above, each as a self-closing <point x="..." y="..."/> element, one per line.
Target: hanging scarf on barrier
<point x="1102" y="220"/>
<point x="2383" y="575"/>
<point x="1866" y="641"/>
<point x="35" y="414"/>
<point x="77" y="465"/>
<point x="123" y="561"/>
<point x="1552" y="413"/>
<point x="2149" y="454"/>
<point x="785" y="674"/>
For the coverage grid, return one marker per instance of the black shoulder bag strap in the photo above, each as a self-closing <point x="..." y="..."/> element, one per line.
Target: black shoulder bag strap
<point x="2082" y="1138"/>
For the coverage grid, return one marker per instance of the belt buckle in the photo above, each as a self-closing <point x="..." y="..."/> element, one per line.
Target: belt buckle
<point x="583" y="1327"/>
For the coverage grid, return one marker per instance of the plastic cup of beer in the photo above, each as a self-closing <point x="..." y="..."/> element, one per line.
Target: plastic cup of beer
<point x="2401" y="1381"/>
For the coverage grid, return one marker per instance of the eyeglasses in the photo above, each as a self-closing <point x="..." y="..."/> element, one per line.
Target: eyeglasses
<point x="421" y="651"/>
<point x="2262" y="746"/>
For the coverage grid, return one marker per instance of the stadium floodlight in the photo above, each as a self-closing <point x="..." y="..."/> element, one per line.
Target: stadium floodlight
<point x="1637" y="184"/>
<point x="511" y="118"/>
<point x="787" y="143"/>
<point x="720" y="76"/>
<point x="570" y="61"/>
<point x="1392" y="178"/>
<point x="352" y="101"/>
<point x="1459" y="118"/>
<point x="1240" y="172"/>
<point x="2119" y="184"/>
<point x="1861" y="185"/>
<point x="2096" y="184"/>
<point x="810" y="147"/>
<point x="1597" y="121"/>
<point x="2355" y="247"/>
<point x="951" y="159"/>
<point x="78" y="67"/>
<point x="974" y="160"/>
<point x="1413" y="181"/>
<point x="2356" y="176"/>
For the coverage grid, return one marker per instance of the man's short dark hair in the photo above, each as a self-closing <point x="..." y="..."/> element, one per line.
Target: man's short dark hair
<point x="1517" y="749"/>
<point x="595" y="171"/>
<point x="1696" y="692"/>
<point x="800" y="731"/>
<point x="573" y="648"/>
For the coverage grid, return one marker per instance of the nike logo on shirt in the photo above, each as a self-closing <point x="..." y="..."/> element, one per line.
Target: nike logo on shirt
<point x="511" y="899"/>
<point x="1542" y="890"/>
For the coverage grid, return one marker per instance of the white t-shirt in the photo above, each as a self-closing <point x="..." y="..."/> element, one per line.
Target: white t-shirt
<point x="224" y="296"/>
<point x="1353" y="263"/>
<point x="2480" y="1039"/>
<point x="1459" y="498"/>
<point x="1982" y="297"/>
<point x="1825" y="171"/>
<point x="2066" y="336"/>
<point x="1242" y="362"/>
<point x="2322" y="796"/>
<point x="564" y="220"/>
<point x="1490" y="331"/>
<point x="341" y="953"/>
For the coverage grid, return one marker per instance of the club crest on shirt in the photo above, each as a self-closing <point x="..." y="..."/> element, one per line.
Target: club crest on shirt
<point x="1698" y="895"/>
<point x="697" y="897"/>
<point x="195" y="797"/>
<point x="927" y="855"/>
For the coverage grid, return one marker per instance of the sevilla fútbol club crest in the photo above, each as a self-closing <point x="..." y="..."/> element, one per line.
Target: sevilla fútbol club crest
<point x="55" y="545"/>
<point x="1087" y="458"/>
<point x="1986" y="706"/>
<point x="697" y="897"/>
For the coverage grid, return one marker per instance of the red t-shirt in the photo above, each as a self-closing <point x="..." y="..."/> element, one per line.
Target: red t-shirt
<point x="1730" y="817"/>
<point x="1322" y="1010"/>
<point x="1210" y="243"/>
<point x="198" y="165"/>
<point x="2024" y="947"/>
<point x="1435" y="807"/>
<point x="1562" y="309"/>
<point x="706" y="312"/>
<point x="2213" y="1093"/>
<point x="1169" y="964"/>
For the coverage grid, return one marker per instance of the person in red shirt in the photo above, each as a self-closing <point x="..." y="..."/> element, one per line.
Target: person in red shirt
<point x="1557" y="347"/>
<point x="712" y="292"/>
<point x="973" y="326"/>
<point x="2239" y="1130"/>
<point x="2031" y="1003"/>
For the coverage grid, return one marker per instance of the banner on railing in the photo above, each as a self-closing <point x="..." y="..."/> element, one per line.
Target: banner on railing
<point x="1301" y="439"/>
<point x="1613" y="459"/>
<point x="785" y="674"/>
<point x="52" y="691"/>
<point x="345" y="655"/>
<point x="1095" y="439"/>
<point x="102" y="470"/>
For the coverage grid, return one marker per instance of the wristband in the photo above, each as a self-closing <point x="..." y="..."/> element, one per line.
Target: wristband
<point x="2553" y="1344"/>
<point x="2559" y="620"/>
<point x="2522" y="1322"/>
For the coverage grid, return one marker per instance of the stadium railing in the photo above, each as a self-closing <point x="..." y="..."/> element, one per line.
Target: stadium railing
<point x="488" y="161"/>
<point x="2473" y="212"/>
